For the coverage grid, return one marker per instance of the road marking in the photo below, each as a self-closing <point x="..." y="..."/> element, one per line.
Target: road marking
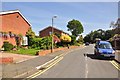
<point x="86" y="67"/>
<point x="115" y="64"/>
<point x="53" y="62"/>
<point x="38" y="67"/>
<point x="48" y="67"/>
<point x="63" y="54"/>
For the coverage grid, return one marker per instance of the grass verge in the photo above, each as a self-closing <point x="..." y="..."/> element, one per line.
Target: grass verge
<point x="25" y="51"/>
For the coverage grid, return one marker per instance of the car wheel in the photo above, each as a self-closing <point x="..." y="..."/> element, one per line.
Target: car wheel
<point x="95" y="53"/>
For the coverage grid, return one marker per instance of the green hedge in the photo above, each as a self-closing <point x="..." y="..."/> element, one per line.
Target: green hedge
<point x="41" y="43"/>
<point x="7" y="46"/>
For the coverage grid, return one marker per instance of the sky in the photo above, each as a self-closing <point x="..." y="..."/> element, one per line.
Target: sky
<point x="92" y="15"/>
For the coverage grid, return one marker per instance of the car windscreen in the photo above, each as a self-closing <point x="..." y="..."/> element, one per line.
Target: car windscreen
<point x="105" y="46"/>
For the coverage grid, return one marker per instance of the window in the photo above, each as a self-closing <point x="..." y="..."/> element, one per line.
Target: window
<point x="25" y="40"/>
<point x="105" y="46"/>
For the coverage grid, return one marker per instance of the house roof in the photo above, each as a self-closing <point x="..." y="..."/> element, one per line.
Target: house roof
<point x="15" y="11"/>
<point x="53" y="28"/>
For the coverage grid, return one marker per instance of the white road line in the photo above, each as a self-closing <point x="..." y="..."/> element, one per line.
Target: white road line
<point x="38" y="67"/>
<point x="53" y="64"/>
<point x="21" y="61"/>
<point x="86" y="66"/>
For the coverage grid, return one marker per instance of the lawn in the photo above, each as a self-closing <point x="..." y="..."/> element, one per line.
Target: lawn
<point x="25" y="51"/>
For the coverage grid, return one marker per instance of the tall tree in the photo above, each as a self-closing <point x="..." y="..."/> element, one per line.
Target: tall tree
<point x="75" y="27"/>
<point x="30" y="34"/>
<point x="101" y="34"/>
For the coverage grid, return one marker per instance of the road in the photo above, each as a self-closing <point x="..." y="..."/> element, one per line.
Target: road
<point x="81" y="63"/>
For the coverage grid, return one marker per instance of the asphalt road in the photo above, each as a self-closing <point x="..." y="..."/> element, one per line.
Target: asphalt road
<point x="81" y="63"/>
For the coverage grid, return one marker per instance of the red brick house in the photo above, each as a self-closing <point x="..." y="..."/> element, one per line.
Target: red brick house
<point x="12" y="24"/>
<point x="48" y="30"/>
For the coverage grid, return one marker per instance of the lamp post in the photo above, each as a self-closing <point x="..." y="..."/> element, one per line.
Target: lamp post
<point x="52" y="33"/>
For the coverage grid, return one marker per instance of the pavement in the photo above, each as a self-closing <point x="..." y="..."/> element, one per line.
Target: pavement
<point x="17" y="58"/>
<point x="117" y="56"/>
<point x="27" y="65"/>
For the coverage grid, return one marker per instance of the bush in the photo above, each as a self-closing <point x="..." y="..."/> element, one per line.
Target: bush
<point x="77" y="44"/>
<point x="41" y="43"/>
<point x="7" y="46"/>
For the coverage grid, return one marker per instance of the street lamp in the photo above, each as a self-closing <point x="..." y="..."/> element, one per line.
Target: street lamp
<point x="52" y="33"/>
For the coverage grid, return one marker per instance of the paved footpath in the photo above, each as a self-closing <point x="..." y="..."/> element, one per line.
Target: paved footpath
<point x="28" y="66"/>
<point x="117" y="56"/>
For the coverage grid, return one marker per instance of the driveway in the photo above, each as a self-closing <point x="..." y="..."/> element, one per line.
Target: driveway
<point x="16" y="57"/>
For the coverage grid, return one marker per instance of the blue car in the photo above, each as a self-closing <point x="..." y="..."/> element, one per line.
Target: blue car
<point x="104" y="48"/>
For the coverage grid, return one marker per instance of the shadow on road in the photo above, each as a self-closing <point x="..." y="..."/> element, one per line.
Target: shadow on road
<point x="92" y="56"/>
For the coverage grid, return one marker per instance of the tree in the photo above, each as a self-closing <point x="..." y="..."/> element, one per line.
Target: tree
<point x="75" y="27"/>
<point x="80" y="39"/>
<point x="73" y="40"/>
<point x="87" y="38"/>
<point x="109" y="34"/>
<point x="30" y="34"/>
<point x="101" y="34"/>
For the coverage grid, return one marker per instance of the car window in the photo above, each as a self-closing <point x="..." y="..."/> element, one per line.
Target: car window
<point x="105" y="46"/>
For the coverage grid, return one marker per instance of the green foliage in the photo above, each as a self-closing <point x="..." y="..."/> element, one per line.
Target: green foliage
<point x="75" y="27"/>
<point x="80" y="39"/>
<point x="41" y="43"/>
<point x="7" y="46"/>
<point x="57" y="34"/>
<point x="30" y="34"/>
<point x="46" y="42"/>
<point x="73" y="40"/>
<point x="77" y="44"/>
<point x="109" y="34"/>
<point x="36" y="43"/>
<point x="101" y="34"/>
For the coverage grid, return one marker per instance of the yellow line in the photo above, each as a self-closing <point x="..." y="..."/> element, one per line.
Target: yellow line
<point x="114" y="64"/>
<point x="49" y="66"/>
<point x="34" y="74"/>
<point x="117" y="63"/>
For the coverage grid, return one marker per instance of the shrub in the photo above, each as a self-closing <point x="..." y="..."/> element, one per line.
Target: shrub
<point x="65" y="38"/>
<point x="7" y="46"/>
<point x="77" y="44"/>
<point x="41" y="43"/>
